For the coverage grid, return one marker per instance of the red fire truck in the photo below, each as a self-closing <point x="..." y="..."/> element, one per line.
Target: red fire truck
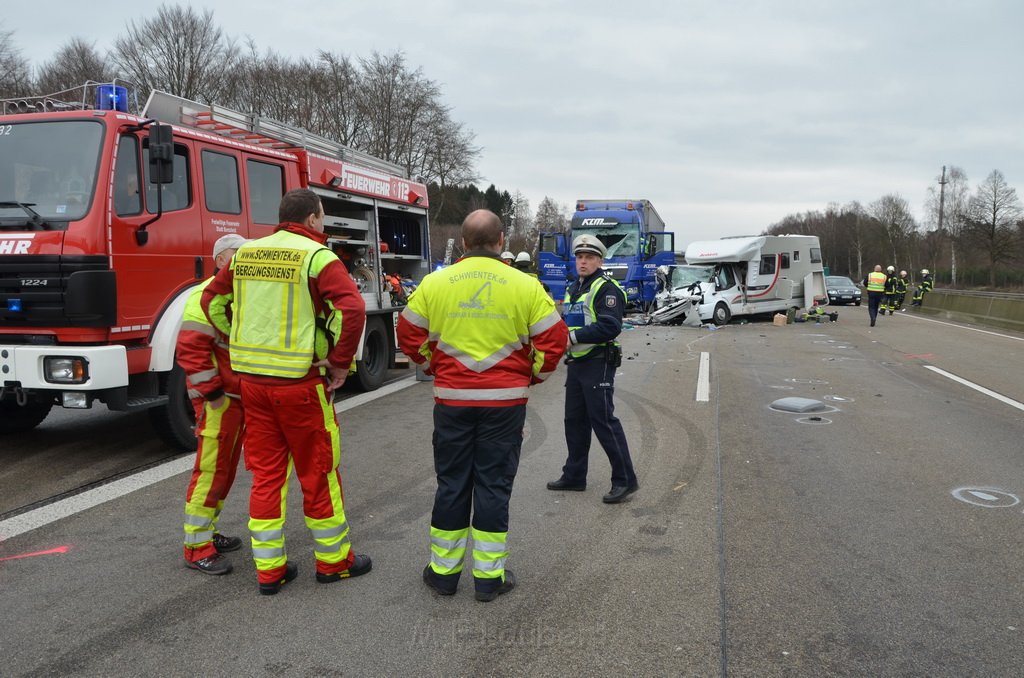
<point x="107" y="219"/>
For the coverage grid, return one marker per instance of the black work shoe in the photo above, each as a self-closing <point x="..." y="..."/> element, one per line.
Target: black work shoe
<point x="438" y="583"/>
<point x="291" y="571"/>
<point x="619" y="492"/>
<point x="215" y="564"/>
<point x="505" y="587"/>
<point x="563" y="484"/>
<point x="225" y="544"/>
<point x="361" y="564"/>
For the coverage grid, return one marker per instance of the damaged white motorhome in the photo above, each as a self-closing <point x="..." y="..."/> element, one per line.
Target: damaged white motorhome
<point x="752" y="275"/>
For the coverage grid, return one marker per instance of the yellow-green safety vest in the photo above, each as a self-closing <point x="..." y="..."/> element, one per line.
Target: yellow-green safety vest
<point x="876" y="281"/>
<point x="581" y="313"/>
<point x="276" y="331"/>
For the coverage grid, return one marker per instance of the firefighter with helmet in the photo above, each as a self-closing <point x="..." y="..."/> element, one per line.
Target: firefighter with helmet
<point x="902" y="285"/>
<point x="523" y="263"/>
<point x="593" y="309"/>
<point x="889" y="303"/>
<point x="508" y="257"/>
<point x="922" y="288"/>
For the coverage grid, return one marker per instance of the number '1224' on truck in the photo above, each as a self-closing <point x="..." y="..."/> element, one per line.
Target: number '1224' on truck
<point x="107" y="220"/>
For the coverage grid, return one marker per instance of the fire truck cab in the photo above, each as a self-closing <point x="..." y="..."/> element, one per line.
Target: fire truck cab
<point x="107" y="220"/>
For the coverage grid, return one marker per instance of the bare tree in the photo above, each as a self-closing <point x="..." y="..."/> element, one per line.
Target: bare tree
<point x="893" y="213"/>
<point x="15" y="80"/>
<point x="551" y="217"/>
<point x="74" y="64"/>
<point x="993" y="211"/>
<point x="344" y="114"/>
<point x="179" y="51"/>
<point x="450" y="158"/>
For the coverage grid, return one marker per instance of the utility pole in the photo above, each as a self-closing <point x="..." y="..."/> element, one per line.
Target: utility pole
<point x="942" y="210"/>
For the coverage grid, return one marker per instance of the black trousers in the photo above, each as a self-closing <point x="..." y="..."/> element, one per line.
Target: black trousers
<point x="476" y="456"/>
<point x="874" y="298"/>
<point x="589" y="388"/>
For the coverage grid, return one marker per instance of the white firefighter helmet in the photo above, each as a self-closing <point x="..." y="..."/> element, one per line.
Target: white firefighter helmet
<point x="508" y="256"/>
<point x="523" y="258"/>
<point x="903" y="272"/>
<point x="891" y="269"/>
<point x="589" y="243"/>
<point x="924" y="271"/>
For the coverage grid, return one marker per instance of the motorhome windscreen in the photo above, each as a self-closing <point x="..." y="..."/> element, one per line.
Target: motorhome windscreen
<point x="49" y="168"/>
<point x="684" y="276"/>
<point x="622" y="240"/>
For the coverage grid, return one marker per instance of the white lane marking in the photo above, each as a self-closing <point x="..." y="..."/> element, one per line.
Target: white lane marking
<point x="45" y="515"/>
<point x="64" y="508"/>
<point x="704" y="378"/>
<point x="364" y="398"/>
<point x="962" y="327"/>
<point x="981" y="389"/>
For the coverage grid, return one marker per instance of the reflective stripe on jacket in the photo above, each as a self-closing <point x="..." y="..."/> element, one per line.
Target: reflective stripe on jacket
<point x="487" y="331"/>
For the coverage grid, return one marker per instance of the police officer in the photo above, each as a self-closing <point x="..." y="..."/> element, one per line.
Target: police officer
<point x="875" y="284"/>
<point x="593" y="308"/>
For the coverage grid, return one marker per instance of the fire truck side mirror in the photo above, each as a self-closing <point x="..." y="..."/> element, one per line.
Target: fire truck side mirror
<point x="161" y="154"/>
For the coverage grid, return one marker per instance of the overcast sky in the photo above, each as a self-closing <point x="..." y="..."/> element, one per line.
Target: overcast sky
<point x="727" y="115"/>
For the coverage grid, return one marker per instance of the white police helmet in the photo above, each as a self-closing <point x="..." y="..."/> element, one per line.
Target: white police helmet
<point x="589" y="243"/>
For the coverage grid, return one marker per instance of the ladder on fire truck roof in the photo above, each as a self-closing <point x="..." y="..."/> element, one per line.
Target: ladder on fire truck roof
<point x="254" y="129"/>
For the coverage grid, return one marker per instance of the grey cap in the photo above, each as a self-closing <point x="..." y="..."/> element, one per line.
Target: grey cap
<point x="231" y="241"/>
<point x="589" y="243"/>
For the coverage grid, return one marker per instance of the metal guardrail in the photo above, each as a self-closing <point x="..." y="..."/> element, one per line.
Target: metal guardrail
<point x="981" y="294"/>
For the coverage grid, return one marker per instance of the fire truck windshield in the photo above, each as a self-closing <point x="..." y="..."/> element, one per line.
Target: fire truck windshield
<point x="622" y="240"/>
<point x="49" y="167"/>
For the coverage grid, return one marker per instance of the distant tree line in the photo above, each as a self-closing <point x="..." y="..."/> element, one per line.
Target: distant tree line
<point x="376" y="104"/>
<point x="979" y="243"/>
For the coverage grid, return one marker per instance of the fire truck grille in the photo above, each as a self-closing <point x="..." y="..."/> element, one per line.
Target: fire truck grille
<point x="56" y="291"/>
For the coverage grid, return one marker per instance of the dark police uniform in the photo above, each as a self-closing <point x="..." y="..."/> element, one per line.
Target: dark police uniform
<point x="590" y="381"/>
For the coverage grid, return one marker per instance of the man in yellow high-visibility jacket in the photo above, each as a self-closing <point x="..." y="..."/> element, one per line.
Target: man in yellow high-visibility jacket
<point x="875" y="284"/>
<point x="293" y="333"/>
<point x="488" y="333"/>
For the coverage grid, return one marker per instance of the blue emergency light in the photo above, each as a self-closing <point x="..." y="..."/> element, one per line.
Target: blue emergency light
<point x="14" y="305"/>
<point x="112" y="98"/>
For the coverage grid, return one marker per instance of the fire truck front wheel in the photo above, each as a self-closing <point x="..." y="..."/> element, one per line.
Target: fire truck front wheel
<point x="15" y="418"/>
<point x="175" y="422"/>
<point x="377" y="354"/>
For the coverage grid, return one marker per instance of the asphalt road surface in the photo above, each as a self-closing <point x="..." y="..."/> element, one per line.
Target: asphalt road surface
<point x="879" y="536"/>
